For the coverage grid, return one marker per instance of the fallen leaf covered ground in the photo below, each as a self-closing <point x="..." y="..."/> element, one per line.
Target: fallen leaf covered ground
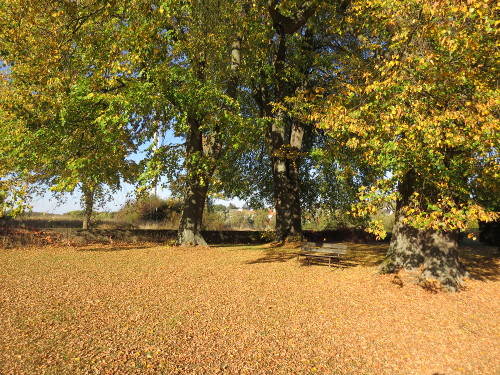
<point x="238" y="310"/>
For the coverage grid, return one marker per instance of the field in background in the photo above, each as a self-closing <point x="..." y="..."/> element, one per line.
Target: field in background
<point x="155" y="213"/>
<point x="238" y="310"/>
<point x="44" y="229"/>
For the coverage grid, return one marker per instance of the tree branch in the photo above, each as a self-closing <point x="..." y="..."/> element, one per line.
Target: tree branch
<point x="288" y="25"/>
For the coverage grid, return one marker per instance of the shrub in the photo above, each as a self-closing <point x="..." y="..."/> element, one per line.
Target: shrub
<point x="151" y="209"/>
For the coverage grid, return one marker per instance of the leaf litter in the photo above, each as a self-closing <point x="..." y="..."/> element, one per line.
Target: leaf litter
<point x="237" y="310"/>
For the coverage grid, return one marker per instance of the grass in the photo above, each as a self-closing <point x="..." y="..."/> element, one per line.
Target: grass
<point x="105" y="309"/>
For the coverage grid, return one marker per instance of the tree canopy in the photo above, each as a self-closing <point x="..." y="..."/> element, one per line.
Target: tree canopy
<point x="60" y="89"/>
<point x="293" y="103"/>
<point x="425" y="114"/>
<point x="429" y="105"/>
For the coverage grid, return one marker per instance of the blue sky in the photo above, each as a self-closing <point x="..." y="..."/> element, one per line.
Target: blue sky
<point x="71" y="202"/>
<point x="49" y="204"/>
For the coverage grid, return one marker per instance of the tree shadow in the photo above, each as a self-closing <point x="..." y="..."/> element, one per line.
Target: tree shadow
<point x="235" y="247"/>
<point x="366" y="255"/>
<point x="110" y="249"/>
<point x="273" y="256"/>
<point x="482" y="262"/>
<point x="335" y="264"/>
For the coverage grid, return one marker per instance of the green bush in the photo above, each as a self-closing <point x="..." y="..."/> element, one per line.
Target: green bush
<point x="151" y="209"/>
<point x="214" y="220"/>
<point x="326" y="219"/>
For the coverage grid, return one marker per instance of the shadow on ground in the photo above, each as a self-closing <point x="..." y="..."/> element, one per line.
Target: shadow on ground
<point x="273" y="256"/>
<point x="366" y="255"/>
<point x="111" y="248"/>
<point x="344" y="263"/>
<point x="482" y="262"/>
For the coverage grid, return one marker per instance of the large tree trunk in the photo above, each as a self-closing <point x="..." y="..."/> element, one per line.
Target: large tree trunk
<point x="441" y="261"/>
<point x="405" y="250"/>
<point x="283" y="136"/>
<point x="434" y="254"/>
<point x="283" y="201"/>
<point x="296" y="137"/>
<point x="189" y="233"/>
<point x="88" y="206"/>
<point x="431" y="253"/>
<point x="285" y="141"/>
<point x="285" y="158"/>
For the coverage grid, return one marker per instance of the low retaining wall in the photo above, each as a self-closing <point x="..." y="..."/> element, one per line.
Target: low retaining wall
<point x="11" y="236"/>
<point x="159" y="235"/>
<point x="212" y="237"/>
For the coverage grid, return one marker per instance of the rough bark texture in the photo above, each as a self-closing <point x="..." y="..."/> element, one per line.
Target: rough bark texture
<point x="235" y="65"/>
<point x="192" y="215"/>
<point x="192" y="211"/>
<point x="285" y="167"/>
<point x="209" y="146"/>
<point x="88" y="202"/>
<point x="286" y="199"/>
<point x="196" y="191"/>
<point x="441" y="259"/>
<point x="284" y="135"/>
<point x="285" y="152"/>
<point x="434" y="254"/>
<point x="405" y="251"/>
<point x="296" y="137"/>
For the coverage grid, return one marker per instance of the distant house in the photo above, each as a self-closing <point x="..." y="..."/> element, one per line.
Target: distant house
<point x="388" y="210"/>
<point x="270" y="214"/>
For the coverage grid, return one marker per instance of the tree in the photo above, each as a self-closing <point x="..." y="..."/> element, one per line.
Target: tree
<point x="289" y="54"/>
<point x="97" y="144"/>
<point x="14" y="176"/>
<point x="425" y="115"/>
<point x="190" y="87"/>
<point x="277" y="80"/>
<point x="151" y="61"/>
<point x="62" y="91"/>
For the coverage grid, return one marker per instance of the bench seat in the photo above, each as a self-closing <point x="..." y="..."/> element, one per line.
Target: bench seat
<point x="322" y="250"/>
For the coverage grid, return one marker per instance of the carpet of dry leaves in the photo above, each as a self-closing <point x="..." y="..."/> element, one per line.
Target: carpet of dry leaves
<point x="238" y="310"/>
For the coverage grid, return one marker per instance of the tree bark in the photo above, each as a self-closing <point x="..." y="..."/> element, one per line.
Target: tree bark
<point x="432" y="253"/>
<point x="285" y="155"/>
<point x="198" y="147"/>
<point x="88" y="203"/>
<point x="441" y="260"/>
<point x="189" y="233"/>
<point x="296" y="137"/>
<point x="282" y="202"/>
<point x="285" y="141"/>
<point x="405" y="251"/>
<point x="234" y="67"/>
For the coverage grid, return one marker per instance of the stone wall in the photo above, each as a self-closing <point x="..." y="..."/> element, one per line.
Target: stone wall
<point x="159" y="236"/>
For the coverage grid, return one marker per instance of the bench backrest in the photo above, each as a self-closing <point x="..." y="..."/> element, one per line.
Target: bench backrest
<point x="325" y="247"/>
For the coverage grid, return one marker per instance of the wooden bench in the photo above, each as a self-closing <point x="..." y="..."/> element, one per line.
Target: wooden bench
<point x="322" y="250"/>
